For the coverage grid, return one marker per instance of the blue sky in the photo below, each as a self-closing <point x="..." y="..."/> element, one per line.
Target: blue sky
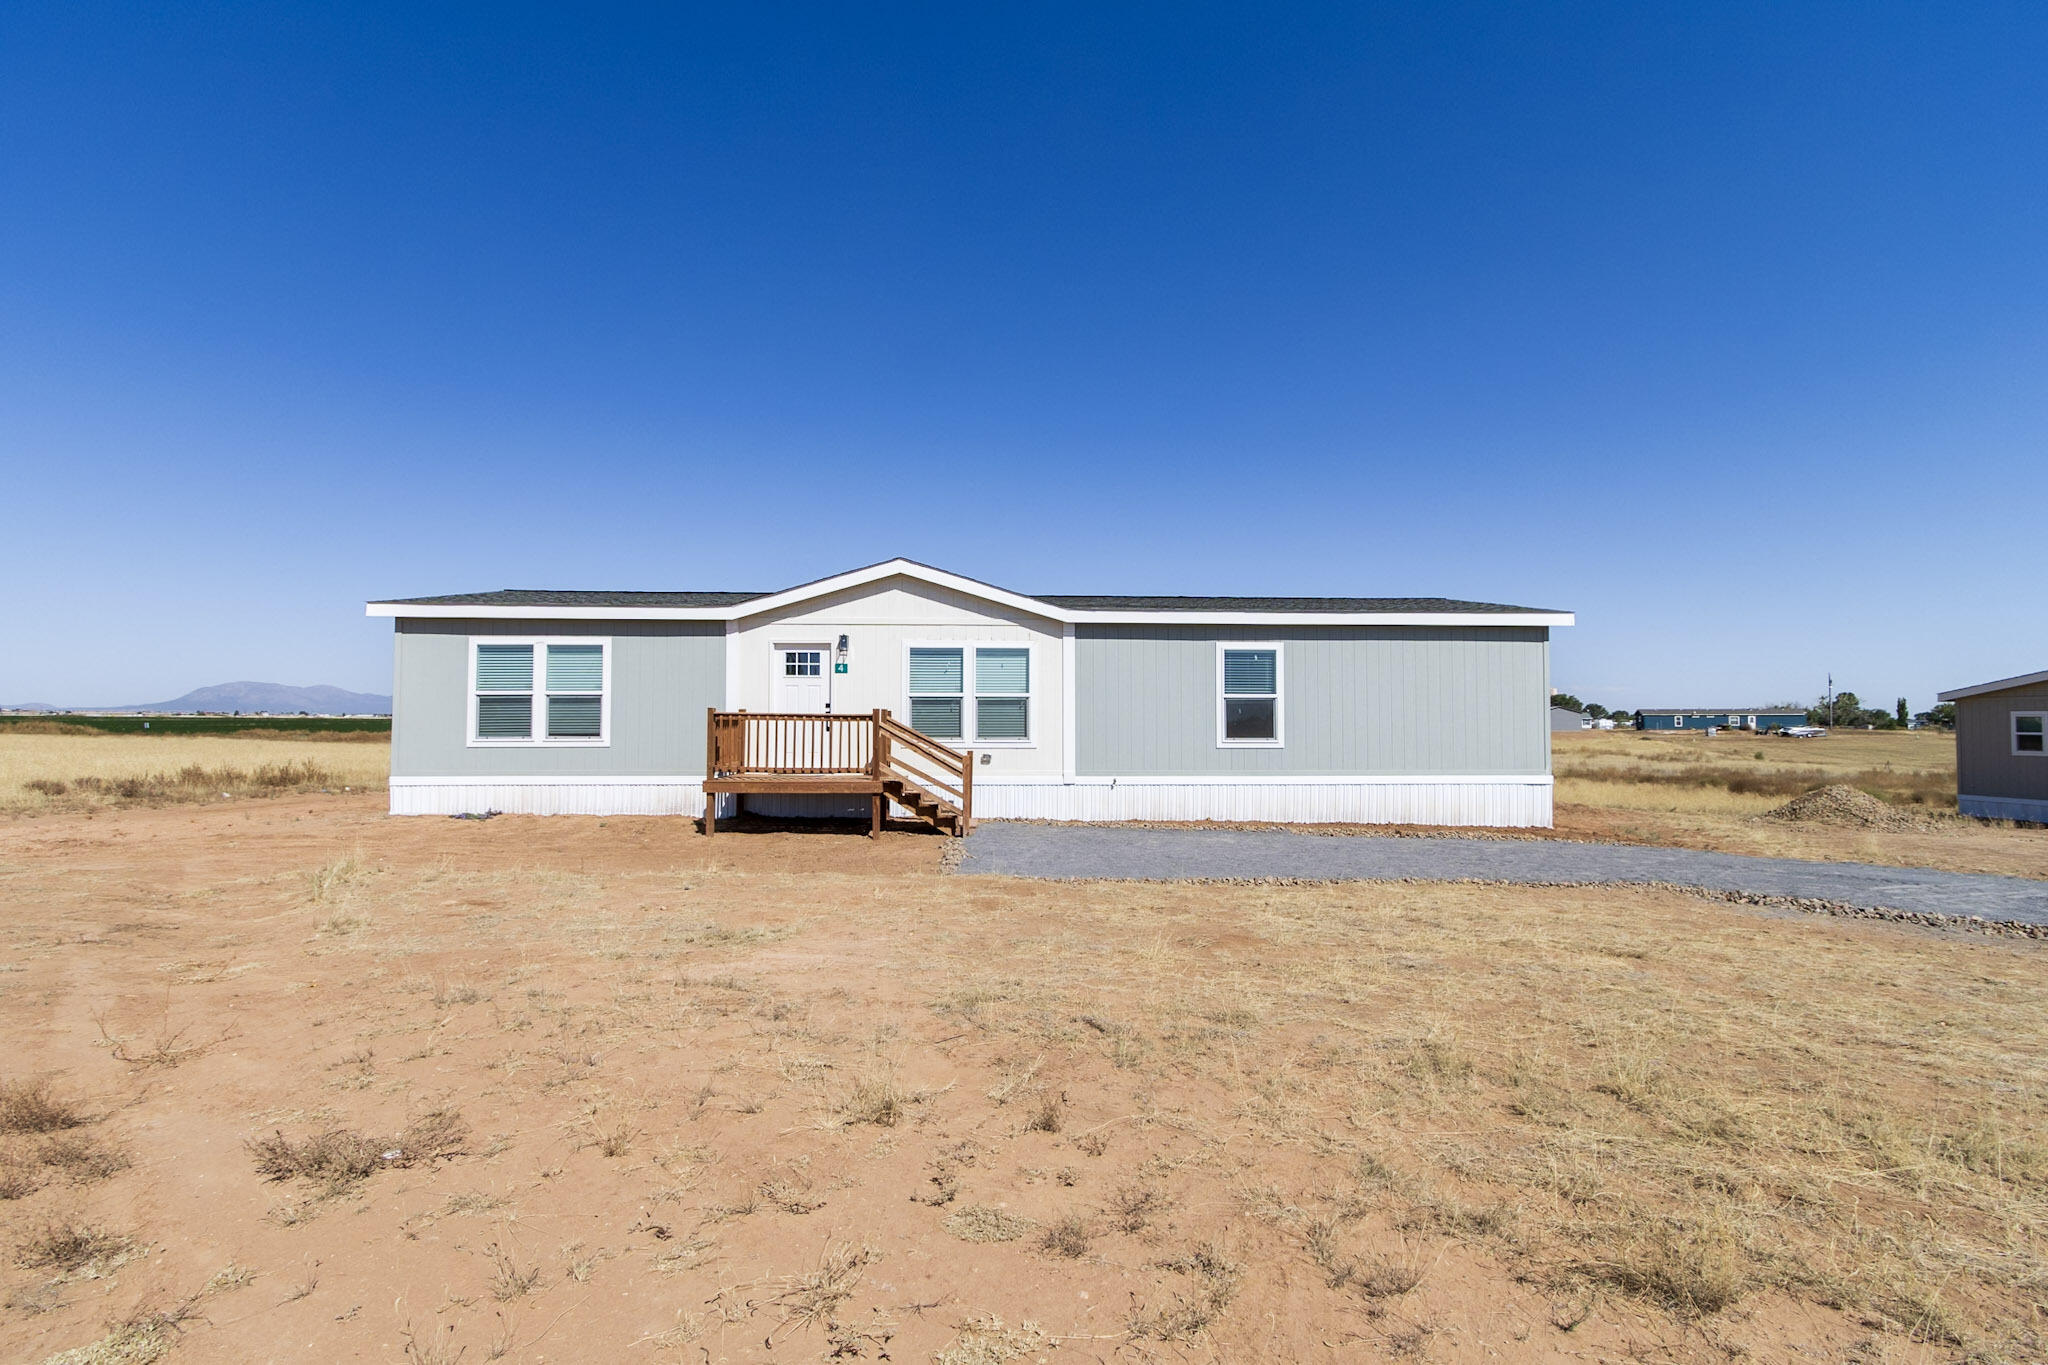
<point x="1722" y="326"/>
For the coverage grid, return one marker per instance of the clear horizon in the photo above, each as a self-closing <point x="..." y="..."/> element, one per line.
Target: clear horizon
<point x="1723" y="329"/>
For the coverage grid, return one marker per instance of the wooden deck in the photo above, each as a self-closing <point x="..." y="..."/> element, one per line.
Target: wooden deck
<point x="752" y="753"/>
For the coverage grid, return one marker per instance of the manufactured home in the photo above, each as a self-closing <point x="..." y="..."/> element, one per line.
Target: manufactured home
<point x="904" y="686"/>
<point x="1761" y="718"/>
<point x="2002" y="748"/>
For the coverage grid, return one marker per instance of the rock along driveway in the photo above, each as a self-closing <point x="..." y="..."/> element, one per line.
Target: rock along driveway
<point x="1067" y="851"/>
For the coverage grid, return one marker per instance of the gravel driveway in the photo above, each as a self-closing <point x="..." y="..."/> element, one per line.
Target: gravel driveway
<point x="1061" y="851"/>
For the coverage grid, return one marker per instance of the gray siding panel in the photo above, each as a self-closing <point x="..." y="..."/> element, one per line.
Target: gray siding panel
<point x="1985" y="762"/>
<point x="1383" y="701"/>
<point x="664" y="673"/>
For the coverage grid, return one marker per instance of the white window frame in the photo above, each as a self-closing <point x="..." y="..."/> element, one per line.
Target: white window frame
<point x="2012" y="733"/>
<point x="970" y="714"/>
<point x="1279" y="739"/>
<point x="538" y="738"/>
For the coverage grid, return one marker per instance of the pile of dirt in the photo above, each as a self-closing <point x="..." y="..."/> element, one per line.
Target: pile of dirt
<point x="1842" y="806"/>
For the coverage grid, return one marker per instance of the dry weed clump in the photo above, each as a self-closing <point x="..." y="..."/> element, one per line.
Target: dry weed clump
<point x="989" y="1341"/>
<point x="1068" y="1235"/>
<point x="65" y="1246"/>
<point x="986" y="1223"/>
<point x="143" y="1339"/>
<point x="340" y="1158"/>
<point x="1133" y="1207"/>
<point x="33" y="1107"/>
<point x="810" y="1299"/>
<point x="1186" y="1317"/>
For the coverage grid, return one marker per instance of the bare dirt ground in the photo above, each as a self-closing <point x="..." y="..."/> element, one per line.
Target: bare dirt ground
<point x="290" y="1079"/>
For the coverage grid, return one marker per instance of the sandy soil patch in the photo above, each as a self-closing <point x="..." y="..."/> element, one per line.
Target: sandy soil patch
<point x="579" y="1089"/>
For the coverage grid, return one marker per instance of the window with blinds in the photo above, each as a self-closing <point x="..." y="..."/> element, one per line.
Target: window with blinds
<point x="538" y="691"/>
<point x="1002" y="693"/>
<point x="1250" y="695"/>
<point x="937" y="691"/>
<point x="973" y="694"/>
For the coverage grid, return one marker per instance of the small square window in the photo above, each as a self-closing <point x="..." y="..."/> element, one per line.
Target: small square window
<point x="2030" y="733"/>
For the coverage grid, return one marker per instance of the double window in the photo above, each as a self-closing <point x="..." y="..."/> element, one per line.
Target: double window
<point x="995" y="709"/>
<point x="1248" y="699"/>
<point x="540" y="691"/>
<point x="2030" y="732"/>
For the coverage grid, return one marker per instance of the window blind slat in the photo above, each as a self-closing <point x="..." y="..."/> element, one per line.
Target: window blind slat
<point x="575" y="668"/>
<point x="1252" y="672"/>
<point x="1002" y="718"/>
<point x="936" y="670"/>
<point x="1002" y="670"/>
<point x="504" y="717"/>
<point x="575" y="717"/>
<point x="504" y="668"/>
<point x="938" y="717"/>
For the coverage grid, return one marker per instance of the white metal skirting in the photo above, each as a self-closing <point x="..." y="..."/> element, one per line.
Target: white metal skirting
<point x="1499" y="802"/>
<point x="2004" y="808"/>
<point x="550" y="796"/>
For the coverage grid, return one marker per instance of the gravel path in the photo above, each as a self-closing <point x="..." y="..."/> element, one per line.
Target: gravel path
<point x="1062" y="851"/>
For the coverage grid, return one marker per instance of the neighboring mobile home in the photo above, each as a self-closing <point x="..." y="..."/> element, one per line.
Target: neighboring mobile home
<point x="1401" y="710"/>
<point x="2002" y="748"/>
<point x="1564" y="718"/>
<point x="1717" y="718"/>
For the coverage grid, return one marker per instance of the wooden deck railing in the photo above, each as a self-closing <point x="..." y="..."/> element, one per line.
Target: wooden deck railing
<point x="786" y="748"/>
<point x="792" y="744"/>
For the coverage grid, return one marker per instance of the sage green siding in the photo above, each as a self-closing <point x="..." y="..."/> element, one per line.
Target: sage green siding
<point x="664" y="674"/>
<point x="1381" y="701"/>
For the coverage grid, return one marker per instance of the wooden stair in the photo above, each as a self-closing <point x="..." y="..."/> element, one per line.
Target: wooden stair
<point x="933" y="809"/>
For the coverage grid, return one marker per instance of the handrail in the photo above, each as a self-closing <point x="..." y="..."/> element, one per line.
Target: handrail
<point x="917" y="740"/>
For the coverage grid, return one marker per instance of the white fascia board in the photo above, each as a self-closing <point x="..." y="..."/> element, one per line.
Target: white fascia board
<point x="446" y="612"/>
<point x="1323" y="618"/>
<point x="2002" y="685"/>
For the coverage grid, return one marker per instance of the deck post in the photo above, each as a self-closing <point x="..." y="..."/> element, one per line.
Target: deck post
<point x="967" y="794"/>
<point x="878" y="763"/>
<point x="710" y="770"/>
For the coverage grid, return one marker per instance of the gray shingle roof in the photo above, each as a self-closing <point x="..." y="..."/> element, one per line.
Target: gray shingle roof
<point x="577" y="597"/>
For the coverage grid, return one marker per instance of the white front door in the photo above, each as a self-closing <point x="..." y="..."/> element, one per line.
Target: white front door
<point x="803" y="678"/>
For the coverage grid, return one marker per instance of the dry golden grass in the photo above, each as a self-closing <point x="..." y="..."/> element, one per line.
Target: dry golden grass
<point x="93" y="769"/>
<point x="1689" y="791"/>
<point x="1732" y="772"/>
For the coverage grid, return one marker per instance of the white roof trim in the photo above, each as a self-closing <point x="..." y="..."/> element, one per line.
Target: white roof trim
<point x="893" y="568"/>
<point x="2002" y="685"/>
<point x="789" y="597"/>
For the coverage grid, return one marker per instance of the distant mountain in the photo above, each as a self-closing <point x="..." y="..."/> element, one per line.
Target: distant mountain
<point x="277" y="698"/>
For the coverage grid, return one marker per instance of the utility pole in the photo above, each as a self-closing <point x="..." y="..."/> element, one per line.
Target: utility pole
<point x="1831" y="701"/>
